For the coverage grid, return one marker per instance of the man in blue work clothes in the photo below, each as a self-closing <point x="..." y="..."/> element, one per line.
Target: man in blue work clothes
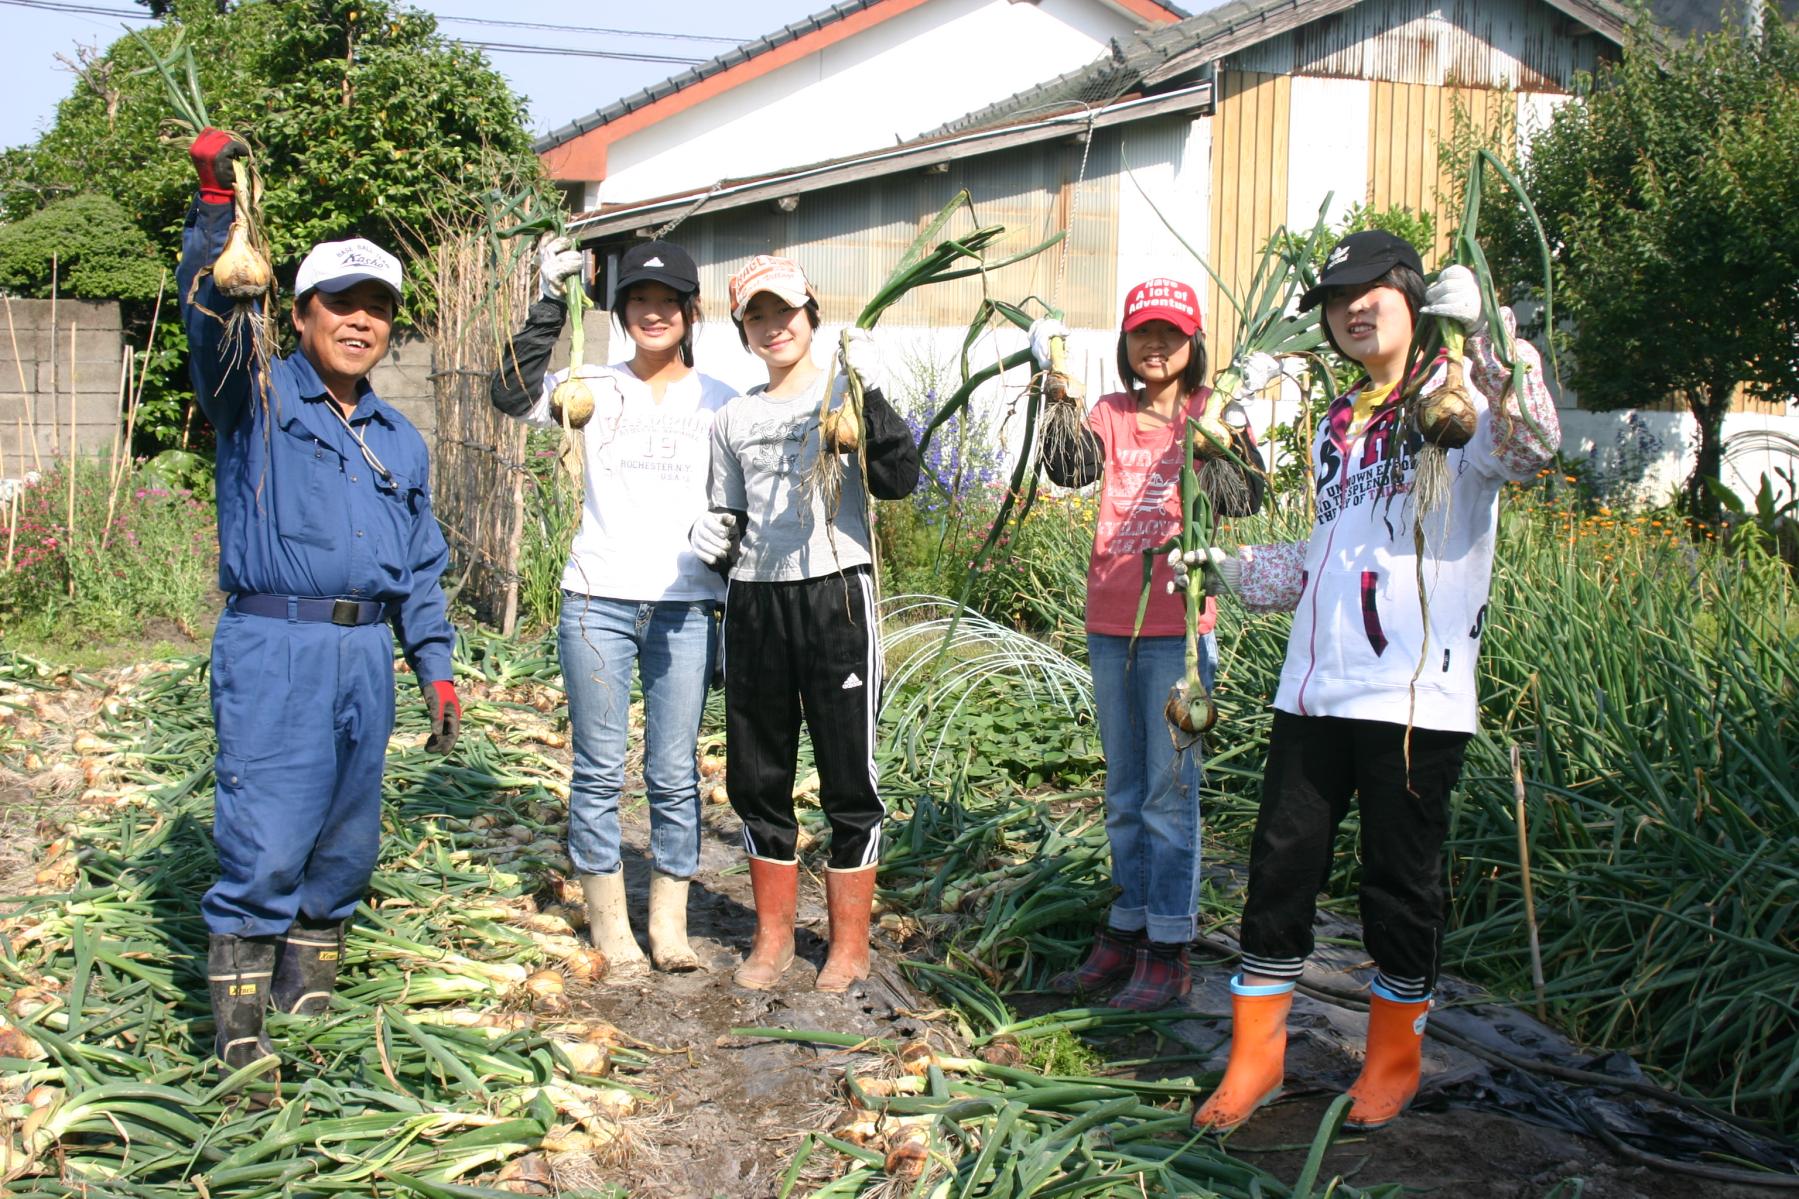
<point x="326" y="537"/>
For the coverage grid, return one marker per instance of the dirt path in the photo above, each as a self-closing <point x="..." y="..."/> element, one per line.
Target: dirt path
<point x="733" y="1109"/>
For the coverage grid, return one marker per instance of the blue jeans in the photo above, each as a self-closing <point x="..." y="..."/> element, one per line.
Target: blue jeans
<point x="673" y="644"/>
<point x="1152" y="790"/>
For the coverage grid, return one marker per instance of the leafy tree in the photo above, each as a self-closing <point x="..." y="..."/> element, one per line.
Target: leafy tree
<point x="90" y="245"/>
<point x="365" y="121"/>
<point x="1669" y="189"/>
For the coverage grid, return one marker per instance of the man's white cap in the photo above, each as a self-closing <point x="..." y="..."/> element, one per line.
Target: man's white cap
<point x="335" y="266"/>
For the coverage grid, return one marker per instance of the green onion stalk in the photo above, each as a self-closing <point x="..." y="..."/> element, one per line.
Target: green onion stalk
<point x="1445" y="417"/>
<point x="926" y="261"/>
<point x="1214" y="475"/>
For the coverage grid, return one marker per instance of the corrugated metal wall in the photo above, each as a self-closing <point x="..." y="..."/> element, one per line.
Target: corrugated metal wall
<point x="848" y="238"/>
<point x="1523" y="44"/>
<point x="1408" y="122"/>
<point x="1249" y="187"/>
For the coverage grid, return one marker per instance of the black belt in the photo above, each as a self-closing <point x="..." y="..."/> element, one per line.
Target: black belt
<point x="346" y="612"/>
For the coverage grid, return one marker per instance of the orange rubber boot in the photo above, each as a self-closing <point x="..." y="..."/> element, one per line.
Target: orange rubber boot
<point x="849" y="894"/>
<point x="776" y="887"/>
<point x="1390" y="1070"/>
<point x="1258" y="1055"/>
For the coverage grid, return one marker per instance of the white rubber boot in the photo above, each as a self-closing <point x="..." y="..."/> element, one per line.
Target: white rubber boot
<point x="668" y="925"/>
<point x="610" y="925"/>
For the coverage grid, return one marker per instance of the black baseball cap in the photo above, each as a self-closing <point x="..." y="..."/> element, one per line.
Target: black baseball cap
<point x="1361" y="258"/>
<point x="658" y="262"/>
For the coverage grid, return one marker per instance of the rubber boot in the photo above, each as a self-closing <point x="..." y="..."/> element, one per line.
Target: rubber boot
<point x="849" y="894"/>
<point x="238" y="970"/>
<point x="776" y="887"/>
<point x="1162" y="974"/>
<point x="609" y="924"/>
<point x="1394" y="1059"/>
<point x="1258" y="1055"/>
<point x="1112" y="958"/>
<point x="306" y="962"/>
<point x="668" y="925"/>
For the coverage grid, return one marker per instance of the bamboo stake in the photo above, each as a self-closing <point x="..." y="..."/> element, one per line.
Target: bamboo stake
<point x="1530" y="903"/>
<point x="112" y="475"/>
<point x="137" y="392"/>
<point x="27" y="397"/>
<point x="12" y="529"/>
<point x="55" y="436"/>
<point x="69" y="461"/>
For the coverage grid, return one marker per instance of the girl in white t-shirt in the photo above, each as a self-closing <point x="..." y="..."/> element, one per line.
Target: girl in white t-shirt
<point x="633" y="592"/>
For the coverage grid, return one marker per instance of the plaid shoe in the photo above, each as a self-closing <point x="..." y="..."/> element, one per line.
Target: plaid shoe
<point x="1113" y="956"/>
<point x="1163" y="974"/>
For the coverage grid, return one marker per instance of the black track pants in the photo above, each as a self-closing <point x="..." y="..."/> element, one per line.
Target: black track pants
<point x="807" y="648"/>
<point x="1315" y="763"/>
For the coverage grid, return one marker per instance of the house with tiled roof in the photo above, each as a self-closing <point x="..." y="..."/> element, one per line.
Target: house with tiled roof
<point x="1178" y="147"/>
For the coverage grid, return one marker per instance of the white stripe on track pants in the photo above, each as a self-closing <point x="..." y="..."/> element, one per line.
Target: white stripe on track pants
<point x="807" y="648"/>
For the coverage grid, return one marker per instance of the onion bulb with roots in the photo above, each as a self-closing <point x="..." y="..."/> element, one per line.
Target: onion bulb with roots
<point x="585" y="965"/>
<point x="1188" y="712"/>
<point x="1446" y="416"/>
<point x="1212" y="439"/>
<point x="839" y="431"/>
<point x="240" y="272"/>
<point x="1002" y="1051"/>
<point x="546" y="989"/>
<point x="574" y="399"/>
<point x="908" y="1151"/>
<point x="916" y="1057"/>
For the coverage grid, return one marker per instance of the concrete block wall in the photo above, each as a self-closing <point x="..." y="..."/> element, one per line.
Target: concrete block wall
<point x="36" y="385"/>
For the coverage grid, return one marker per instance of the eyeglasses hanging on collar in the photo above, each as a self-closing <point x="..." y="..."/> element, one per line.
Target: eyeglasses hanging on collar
<point x="368" y="455"/>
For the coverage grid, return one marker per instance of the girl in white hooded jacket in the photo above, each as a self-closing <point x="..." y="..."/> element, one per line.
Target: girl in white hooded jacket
<point x="1374" y="700"/>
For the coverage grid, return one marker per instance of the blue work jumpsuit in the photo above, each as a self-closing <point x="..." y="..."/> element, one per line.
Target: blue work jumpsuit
<point x="303" y="708"/>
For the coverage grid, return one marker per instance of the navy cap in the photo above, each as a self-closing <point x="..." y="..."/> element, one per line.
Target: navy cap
<point x="1361" y="258"/>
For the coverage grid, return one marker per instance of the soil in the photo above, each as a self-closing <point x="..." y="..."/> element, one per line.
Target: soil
<point x="731" y="1109"/>
<point x="735" y="1109"/>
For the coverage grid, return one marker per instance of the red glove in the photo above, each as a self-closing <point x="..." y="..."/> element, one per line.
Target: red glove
<point x="446" y="716"/>
<point x="213" y="152"/>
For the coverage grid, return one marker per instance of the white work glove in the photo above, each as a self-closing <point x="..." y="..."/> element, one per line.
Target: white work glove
<point x="712" y="537"/>
<point x="1042" y="330"/>
<point x="863" y="356"/>
<point x="1229" y="566"/>
<point x="1455" y="296"/>
<point x="1256" y="371"/>
<point x="557" y="259"/>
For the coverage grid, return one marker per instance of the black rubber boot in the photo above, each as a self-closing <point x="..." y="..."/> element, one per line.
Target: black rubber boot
<point x="238" y="970"/>
<point x="306" y="967"/>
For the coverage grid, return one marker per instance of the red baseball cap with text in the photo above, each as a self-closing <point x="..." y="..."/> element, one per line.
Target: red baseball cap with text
<point x="1163" y="300"/>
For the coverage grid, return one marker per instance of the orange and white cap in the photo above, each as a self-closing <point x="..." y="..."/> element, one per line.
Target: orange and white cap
<point x="765" y="272"/>
<point x="1163" y="299"/>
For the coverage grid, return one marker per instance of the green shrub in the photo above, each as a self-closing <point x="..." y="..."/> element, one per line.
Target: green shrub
<point x="157" y="557"/>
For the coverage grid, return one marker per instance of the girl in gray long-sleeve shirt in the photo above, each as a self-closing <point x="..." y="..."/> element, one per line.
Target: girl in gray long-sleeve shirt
<point x="800" y="624"/>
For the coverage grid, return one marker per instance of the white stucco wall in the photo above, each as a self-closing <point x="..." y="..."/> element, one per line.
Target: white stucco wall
<point x="894" y="81"/>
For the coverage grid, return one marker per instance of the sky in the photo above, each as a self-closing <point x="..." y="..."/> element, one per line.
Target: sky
<point x="561" y="86"/>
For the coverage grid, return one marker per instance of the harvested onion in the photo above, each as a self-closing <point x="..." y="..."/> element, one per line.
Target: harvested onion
<point x="1446" y="416"/>
<point x="240" y="272"/>
<point x="839" y="431"/>
<point x="1187" y="712"/>
<point x="572" y="399"/>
